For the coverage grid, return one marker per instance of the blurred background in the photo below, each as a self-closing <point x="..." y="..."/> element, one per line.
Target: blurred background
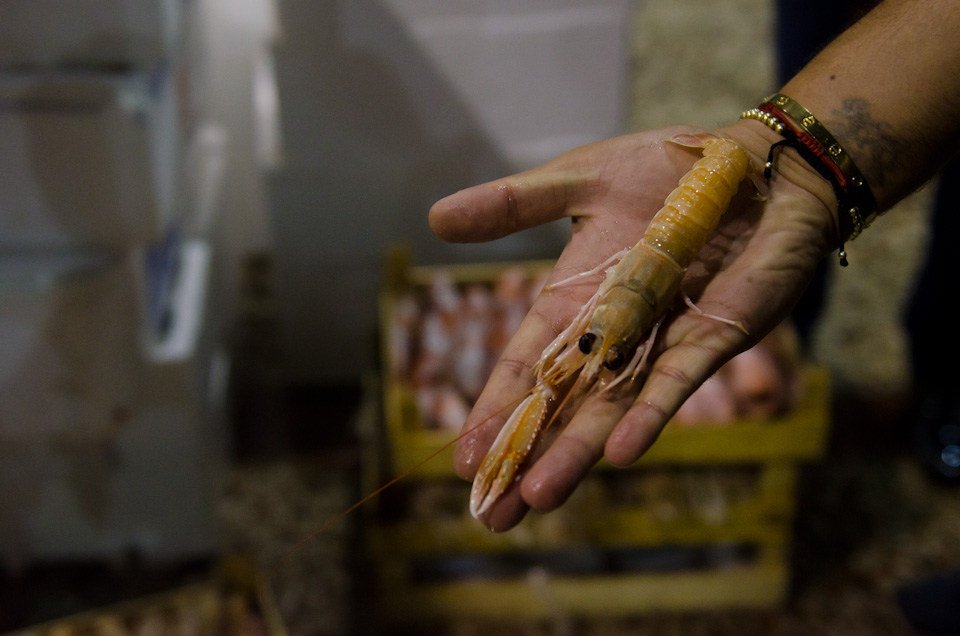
<point x="214" y="258"/>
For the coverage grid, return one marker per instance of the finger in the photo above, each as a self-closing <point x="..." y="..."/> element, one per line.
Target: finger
<point x="558" y="188"/>
<point x="509" y="383"/>
<point x="507" y="387"/>
<point x="554" y="477"/>
<point x="496" y="209"/>
<point x="513" y="376"/>
<point x="507" y="511"/>
<point x="511" y="379"/>
<point x="673" y="377"/>
<point x="481" y="428"/>
<point x="671" y="380"/>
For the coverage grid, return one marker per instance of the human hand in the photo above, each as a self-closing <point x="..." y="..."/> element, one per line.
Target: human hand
<point x="752" y="270"/>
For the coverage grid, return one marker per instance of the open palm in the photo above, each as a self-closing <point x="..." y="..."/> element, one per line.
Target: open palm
<point x="752" y="270"/>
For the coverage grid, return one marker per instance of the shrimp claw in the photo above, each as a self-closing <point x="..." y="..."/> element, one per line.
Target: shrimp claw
<point x="510" y="448"/>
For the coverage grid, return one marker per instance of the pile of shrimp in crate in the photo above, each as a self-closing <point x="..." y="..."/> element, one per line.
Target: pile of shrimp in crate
<point x="446" y="336"/>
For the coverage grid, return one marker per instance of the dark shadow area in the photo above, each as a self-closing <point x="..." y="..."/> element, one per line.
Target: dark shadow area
<point x="49" y="591"/>
<point x="854" y="495"/>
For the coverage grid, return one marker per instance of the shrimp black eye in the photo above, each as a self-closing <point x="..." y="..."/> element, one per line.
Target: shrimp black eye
<point x="614" y="359"/>
<point x="586" y="342"/>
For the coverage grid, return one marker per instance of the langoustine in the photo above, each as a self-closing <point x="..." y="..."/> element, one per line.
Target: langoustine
<point x="620" y="320"/>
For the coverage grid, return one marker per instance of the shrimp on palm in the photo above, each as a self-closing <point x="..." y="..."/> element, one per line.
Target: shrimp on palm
<point x="609" y="340"/>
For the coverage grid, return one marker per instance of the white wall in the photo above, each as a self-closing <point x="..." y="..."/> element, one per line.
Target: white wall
<point x="230" y="44"/>
<point x="388" y="105"/>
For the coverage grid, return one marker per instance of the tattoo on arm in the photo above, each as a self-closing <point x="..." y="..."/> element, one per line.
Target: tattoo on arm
<point x="880" y="153"/>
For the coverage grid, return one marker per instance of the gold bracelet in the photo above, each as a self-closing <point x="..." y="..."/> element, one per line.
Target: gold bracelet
<point x="766" y="118"/>
<point x="856" y="206"/>
<point x="859" y="201"/>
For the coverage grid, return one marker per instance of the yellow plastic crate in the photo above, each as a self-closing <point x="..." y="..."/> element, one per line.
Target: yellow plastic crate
<point x="593" y="531"/>
<point x="539" y="596"/>
<point x="590" y="522"/>
<point x="591" y="518"/>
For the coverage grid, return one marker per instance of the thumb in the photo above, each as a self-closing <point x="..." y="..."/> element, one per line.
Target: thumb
<point x="496" y="209"/>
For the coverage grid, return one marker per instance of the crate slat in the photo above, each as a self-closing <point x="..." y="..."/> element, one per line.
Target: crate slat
<point x="539" y="597"/>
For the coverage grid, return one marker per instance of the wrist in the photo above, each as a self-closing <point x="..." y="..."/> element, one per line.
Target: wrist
<point x="789" y="170"/>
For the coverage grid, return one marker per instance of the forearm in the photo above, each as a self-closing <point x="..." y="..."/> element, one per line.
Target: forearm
<point x="887" y="89"/>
